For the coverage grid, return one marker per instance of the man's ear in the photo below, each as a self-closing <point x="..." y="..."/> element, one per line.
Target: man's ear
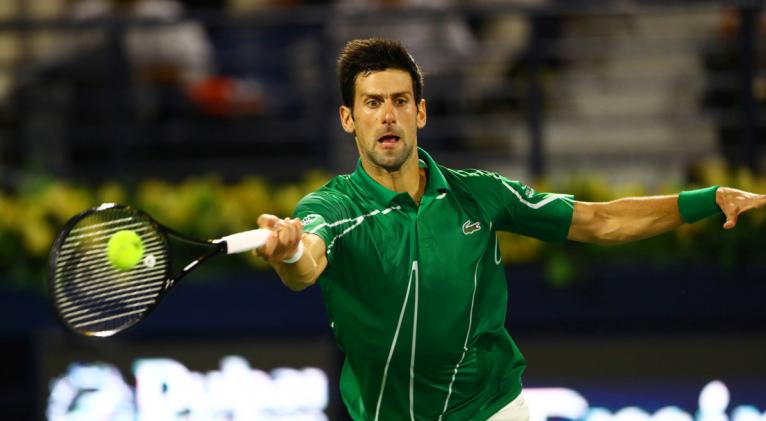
<point x="422" y="113"/>
<point x="346" y="119"/>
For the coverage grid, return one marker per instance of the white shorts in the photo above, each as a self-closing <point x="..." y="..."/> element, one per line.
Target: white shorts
<point x="515" y="411"/>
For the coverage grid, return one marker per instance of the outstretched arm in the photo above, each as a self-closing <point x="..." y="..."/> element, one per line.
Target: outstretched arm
<point x="283" y="244"/>
<point x="635" y="218"/>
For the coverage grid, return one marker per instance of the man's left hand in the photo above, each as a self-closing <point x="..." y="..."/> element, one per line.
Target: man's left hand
<point x="733" y="202"/>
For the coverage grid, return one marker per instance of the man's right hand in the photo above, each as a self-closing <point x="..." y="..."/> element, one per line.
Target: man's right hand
<point x="282" y="245"/>
<point x="283" y="242"/>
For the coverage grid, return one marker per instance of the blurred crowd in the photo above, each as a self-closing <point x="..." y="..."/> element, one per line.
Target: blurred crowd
<point x="164" y="46"/>
<point x="726" y="68"/>
<point x="113" y="73"/>
<point x="126" y="70"/>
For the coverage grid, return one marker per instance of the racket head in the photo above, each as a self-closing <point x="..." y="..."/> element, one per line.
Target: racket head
<point x="91" y="296"/>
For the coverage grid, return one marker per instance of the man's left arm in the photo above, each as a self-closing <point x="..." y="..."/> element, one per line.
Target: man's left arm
<point x="636" y="218"/>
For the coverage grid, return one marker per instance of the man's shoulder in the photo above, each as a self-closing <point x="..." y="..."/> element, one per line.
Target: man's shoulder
<point x="468" y="173"/>
<point x="338" y="187"/>
<point x="470" y="179"/>
<point x="336" y="192"/>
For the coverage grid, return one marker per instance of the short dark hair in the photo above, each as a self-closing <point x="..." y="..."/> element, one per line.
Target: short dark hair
<point x="363" y="56"/>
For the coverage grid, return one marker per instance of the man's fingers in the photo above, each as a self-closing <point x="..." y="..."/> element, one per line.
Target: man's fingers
<point x="292" y="234"/>
<point x="732" y="213"/>
<point x="267" y="221"/>
<point x="283" y="241"/>
<point x="267" y="249"/>
<point x="289" y="231"/>
<point x="284" y="234"/>
<point x="734" y="202"/>
<point x="297" y="230"/>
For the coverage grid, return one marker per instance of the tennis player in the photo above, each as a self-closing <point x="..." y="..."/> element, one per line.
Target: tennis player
<point x="407" y="258"/>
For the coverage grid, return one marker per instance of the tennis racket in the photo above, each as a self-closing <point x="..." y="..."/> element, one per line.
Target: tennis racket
<point x="94" y="298"/>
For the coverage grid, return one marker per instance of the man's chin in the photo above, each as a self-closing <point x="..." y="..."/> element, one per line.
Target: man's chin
<point x="389" y="163"/>
<point x="392" y="167"/>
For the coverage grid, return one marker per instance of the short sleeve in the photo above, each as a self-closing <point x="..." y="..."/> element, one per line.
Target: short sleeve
<point x="317" y="212"/>
<point x="519" y="208"/>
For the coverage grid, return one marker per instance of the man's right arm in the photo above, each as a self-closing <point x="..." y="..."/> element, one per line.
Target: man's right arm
<point x="283" y="244"/>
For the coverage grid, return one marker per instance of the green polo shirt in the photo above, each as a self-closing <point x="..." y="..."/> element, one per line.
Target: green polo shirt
<point x="417" y="295"/>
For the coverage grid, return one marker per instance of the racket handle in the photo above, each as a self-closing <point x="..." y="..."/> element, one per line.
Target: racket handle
<point x="245" y="241"/>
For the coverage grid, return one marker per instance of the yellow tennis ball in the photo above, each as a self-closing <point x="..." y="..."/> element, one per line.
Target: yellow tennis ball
<point x="125" y="249"/>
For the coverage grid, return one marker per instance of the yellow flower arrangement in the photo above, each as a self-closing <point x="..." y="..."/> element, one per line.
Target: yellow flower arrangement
<point x="206" y="207"/>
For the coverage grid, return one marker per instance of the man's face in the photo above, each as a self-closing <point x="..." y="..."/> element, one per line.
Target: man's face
<point x="385" y="118"/>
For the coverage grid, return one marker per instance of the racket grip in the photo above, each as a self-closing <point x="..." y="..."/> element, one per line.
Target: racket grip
<point x="245" y="241"/>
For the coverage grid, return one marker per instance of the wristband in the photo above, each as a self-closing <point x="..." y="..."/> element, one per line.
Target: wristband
<point x="296" y="256"/>
<point x="695" y="205"/>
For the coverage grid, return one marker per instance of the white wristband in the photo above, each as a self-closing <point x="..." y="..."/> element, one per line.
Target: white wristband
<point x="297" y="255"/>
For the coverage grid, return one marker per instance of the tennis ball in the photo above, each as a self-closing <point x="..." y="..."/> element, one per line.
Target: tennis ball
<point x="125" y="249"/>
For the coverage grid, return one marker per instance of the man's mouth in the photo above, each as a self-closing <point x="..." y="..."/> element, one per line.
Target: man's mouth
<point x="388" y="139"/>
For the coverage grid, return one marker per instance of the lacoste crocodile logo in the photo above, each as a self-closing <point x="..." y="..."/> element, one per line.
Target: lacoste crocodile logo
<point x="469" y="228"/>
<point x="309" y="219"/>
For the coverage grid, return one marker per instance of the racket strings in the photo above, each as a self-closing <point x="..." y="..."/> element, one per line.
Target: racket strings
<point x="92" y="263"/>
<point x="105" y="284"/>
<point x="87" y="306"/>
<point x="93" y="296"/>
<point x="102" y="299"/>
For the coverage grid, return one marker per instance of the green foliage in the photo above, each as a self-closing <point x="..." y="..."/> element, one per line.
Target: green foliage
<point x="206" y="207"/>
<point x="200" y="207"/>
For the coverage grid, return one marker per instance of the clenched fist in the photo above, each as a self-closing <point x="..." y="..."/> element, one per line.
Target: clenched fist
<point x="285" y="237"/>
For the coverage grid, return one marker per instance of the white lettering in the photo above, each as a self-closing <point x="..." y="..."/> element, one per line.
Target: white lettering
<point x="554" y="402"/>
<point x="566" y="403"/>
<point x="166" y="390"/>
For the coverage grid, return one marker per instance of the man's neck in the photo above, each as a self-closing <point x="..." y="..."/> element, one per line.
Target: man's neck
<point x="410" y="178"/>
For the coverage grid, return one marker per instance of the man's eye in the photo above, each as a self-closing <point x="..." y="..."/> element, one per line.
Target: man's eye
<point x="401" y="101"/>
<point x="373" y="103"/>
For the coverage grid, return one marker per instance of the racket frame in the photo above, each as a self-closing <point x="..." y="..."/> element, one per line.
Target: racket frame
<point x="170" y="280"/>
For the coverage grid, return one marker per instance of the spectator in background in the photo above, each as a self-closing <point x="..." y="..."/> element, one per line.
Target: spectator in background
<point x="516" y="57"/>
<point x="177" y="51"/>
<point x="170" y="59"/>
<point x="723" y="91"/>
<point x="285" y="55"/>
<point x="506" y="35"/>
<point x="108" y="79"/>
<point x="522" y="41"/>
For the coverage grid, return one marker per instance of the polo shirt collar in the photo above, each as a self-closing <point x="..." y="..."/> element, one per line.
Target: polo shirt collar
<point x="436" y="182"/>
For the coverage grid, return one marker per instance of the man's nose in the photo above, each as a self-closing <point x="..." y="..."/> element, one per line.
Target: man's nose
<point x="389" y="116"/>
